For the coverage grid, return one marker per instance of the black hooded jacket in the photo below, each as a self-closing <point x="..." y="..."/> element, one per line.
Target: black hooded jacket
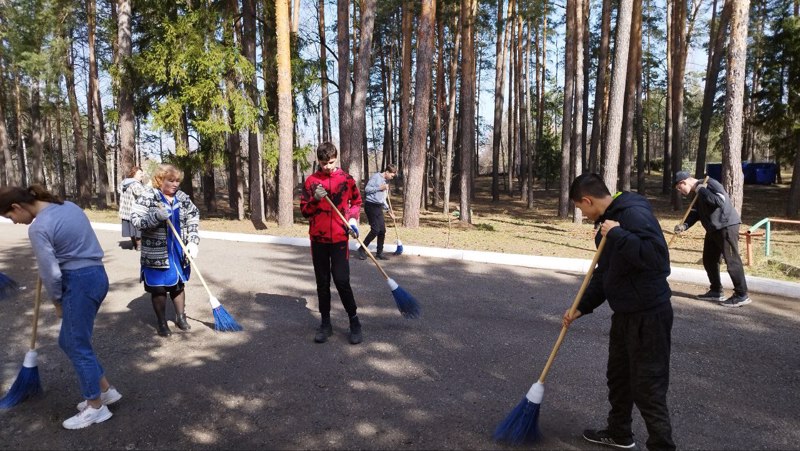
<point x="633" y="268"/>
<point x="713" y="208"/>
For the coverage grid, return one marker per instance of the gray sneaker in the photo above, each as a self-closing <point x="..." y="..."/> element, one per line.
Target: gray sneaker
<point x="714" y="296"/>
<point x="736" y="301"/>
<point x="323" y="332"/>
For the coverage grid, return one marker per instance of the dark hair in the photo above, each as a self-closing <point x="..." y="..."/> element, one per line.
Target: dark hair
<point x="133" y="171"/>
<point x="390" y="168"/>
<point x="588" y="185"/>
<point x="10" y="195"/>
<point x="326" y="151"/>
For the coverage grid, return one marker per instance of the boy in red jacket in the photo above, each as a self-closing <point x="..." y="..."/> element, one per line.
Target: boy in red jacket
<point x="329" y="236"/>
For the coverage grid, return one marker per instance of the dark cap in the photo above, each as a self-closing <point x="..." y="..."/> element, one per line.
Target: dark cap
<point x="681" y="176"/>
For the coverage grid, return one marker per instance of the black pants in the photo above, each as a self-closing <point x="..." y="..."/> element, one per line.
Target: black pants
<point x="638" y="373"/>
<point x="724" y="242"/>
<point x="377" y="225"/>
<point x="331" y="259"/>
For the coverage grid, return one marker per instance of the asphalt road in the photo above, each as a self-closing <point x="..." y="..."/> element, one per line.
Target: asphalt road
<point x="443" y="381"/>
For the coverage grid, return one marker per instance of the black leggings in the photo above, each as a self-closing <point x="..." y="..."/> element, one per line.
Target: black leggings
<point x="331" y="259"/>
<point x="377" y="224"/>
<point x="724" y="242"/>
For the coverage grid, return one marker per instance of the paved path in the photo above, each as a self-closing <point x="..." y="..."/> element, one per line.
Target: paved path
<point x="441" y="382"/>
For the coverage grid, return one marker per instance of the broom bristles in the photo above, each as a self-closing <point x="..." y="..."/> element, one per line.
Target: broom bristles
<point x="224" y="322"/>
<point x="521" y="426"/>
<point x="26" y="385"/>
<point x="399" y="249"/>
<point x="8" y="287"/>
<point x="408" y="306"/>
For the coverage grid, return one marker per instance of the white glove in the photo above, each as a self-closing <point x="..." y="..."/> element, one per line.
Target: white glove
<point x="353" y="227"/>
<point x="163" y="213"/>
<point x="192" y="249"/>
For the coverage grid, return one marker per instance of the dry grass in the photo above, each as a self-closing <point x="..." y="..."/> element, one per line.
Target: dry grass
<point x="510" y="227"/>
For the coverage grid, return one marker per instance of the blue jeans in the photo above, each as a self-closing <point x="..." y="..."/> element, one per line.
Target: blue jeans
<point x="83" y="290"/>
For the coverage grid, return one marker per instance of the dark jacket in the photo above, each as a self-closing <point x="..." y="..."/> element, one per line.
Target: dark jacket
<point x="633" y="268"/>
<point x="713" y="208"/>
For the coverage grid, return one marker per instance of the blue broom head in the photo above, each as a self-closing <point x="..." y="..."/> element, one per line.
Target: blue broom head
<point x="521" y="426"/>
<point x="399" y="249"/>
<point x="26" y="385"/>
<point x="8" y="287"/>
<point x="224" y="322"/>
<point x="408" y="306"/>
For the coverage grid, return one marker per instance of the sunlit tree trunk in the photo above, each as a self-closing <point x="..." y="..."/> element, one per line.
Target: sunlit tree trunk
<point x="343" y="44"/>
<point x="678" y="63"/>
<point x="451" y="116"/>
<point x="99" y="137"/>
<point x="631" y="93"/>
<point x="81" y="166"/>
<point x="236" y="177"/>
<point x="127" y="129"/>
<point x="36" y="156"/>
<point x="323" y="65"/>
<point x="732" y="177"/>
<point x="467" y="116"/>
<point x="576" y="142"/>
<point x="568" y="108"/>
<point x="5" y="149"/>
<point x="599" y="93"/>
<point x="253" y="143"/>
<point x="499" y="80"/>
<point x="285" y="126"/>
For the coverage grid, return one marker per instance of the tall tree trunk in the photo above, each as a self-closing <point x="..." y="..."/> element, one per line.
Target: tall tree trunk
<point x="599" y="93"/>
<point x="629" y="109"/>
<point x="422" y="92"/>
<point x="617" y="94"/>
<point x="343" y="43"/>
<point x="793" y="204"/>
<point x="710" y="90"/>
<point x="406" y="29"/>
<point x="439" y="113"/>
<point x="37" y="136"/>
<point x="5" y="149"/>
<point x="236" y="179"/>
<point x="127" y="129"/>
<point x="679" y="36"/>
<point x="99" y="129"/>
<point x="732" y="177"/>
<point x="499" y="79"/>
<point x="21" y="160"/>
<point x="360" y="86"/>
<point x="323" y="65"/>
<point x="253" y="143"/>
<point x="467" y="115"/>
<point x="269" y="70"/>
<point x="285" y="126"/>
<point x="451" y="116"/>
<point x="569" y="101"/>
<point x="81" y="161"/>
<point x="576" y="142"/>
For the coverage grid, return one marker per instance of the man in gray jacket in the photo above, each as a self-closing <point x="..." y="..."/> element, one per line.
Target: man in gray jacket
<point x="714" y="210"/>
<point x="375" y="204"/>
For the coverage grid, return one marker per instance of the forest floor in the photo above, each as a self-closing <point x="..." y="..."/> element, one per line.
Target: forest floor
<point x="509" y="226"/>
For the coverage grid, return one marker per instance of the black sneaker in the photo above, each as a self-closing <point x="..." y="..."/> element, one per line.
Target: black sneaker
<point x="603" y="438"/>
<point x="710" y="295"/>
<point x="361" y="254"/>
<point x="381" y="256"/>
<point x="736" y="301"/>
<point x="355" y="331"/>
<point x="323" y="332"/>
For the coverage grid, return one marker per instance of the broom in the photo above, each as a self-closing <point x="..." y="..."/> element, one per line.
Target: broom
<point x="223" y="321"/>
<point x="521" y="425"/>
<point x="688" y="210"/>
<point x="28" y="382"/>
<point x="8" y="287"/>
<point x="399" y="249"/>
<point x="408" y="306"/>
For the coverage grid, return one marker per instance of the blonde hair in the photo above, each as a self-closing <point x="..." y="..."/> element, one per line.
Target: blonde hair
<point x="166" y="172"/>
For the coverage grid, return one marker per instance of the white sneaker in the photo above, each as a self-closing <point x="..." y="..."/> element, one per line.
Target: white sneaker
<point x="107" y="397"/>
<point x="87" y="417"/>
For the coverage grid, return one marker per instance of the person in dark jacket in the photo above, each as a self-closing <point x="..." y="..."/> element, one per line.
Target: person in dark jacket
<point x="632" y="275"/>
<point x="329" y="236"/>
<point x="714" y="210"/>
<point x="376" y="190"/>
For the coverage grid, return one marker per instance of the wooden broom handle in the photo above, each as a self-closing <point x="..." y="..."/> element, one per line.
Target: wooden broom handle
<point x="686" y="215"/>
<point x="389" y="201"/>
<point x="378" y="265"/>
<point x="36" y="304"/>
<point x="191" y="260"/>
<point x="572" y="309"/>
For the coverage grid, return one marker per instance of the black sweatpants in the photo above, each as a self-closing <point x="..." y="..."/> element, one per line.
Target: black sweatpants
<point x="724" y="242"/>
<point x="638" y="373"/>
<point x="331" y="259"/>
<point x="377" y="224"/>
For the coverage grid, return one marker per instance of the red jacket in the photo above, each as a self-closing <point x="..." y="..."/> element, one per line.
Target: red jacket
<point x="324" y="225"/>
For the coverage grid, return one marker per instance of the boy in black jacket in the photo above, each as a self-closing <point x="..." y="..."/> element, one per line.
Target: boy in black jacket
<point x="721" y="221"/>
<point x="632" y="275"/>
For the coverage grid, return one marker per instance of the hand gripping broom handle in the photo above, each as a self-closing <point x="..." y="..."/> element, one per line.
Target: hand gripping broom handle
<point x="577" y="300"/>
<point x="36" y="304"/>
<point x="191" y="260"/>
<point x="686" y="215"/>
<point x="378" y="265"/>
<point x="389" y="201"/>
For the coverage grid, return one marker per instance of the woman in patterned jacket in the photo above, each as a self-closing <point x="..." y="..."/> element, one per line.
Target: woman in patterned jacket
<point x="165" y="268"/>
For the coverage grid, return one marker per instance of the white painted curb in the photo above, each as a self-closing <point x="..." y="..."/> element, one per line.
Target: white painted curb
<point x="577" y="265"/>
